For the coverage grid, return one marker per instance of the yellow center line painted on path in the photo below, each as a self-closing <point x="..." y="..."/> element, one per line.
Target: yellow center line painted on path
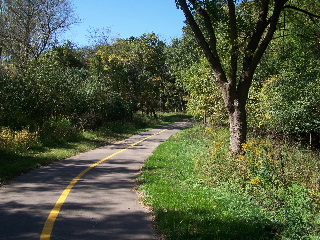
<point x="48" y="226"/>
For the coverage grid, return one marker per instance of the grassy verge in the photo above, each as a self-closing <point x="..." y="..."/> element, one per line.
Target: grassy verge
<point x="198" y="191"/>
<point x="16" y="157"/>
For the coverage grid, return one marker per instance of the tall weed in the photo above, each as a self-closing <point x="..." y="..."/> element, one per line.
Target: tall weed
<point x="58" y="130"/>
<point x="18" y="140"/>
<point x="283" y="179"/>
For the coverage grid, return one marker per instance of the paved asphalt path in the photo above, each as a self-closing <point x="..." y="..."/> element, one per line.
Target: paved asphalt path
<point x="101" y="205"/>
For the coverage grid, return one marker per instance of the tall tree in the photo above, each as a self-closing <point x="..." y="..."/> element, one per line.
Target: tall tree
<point x="134" y="67"/>
<point x="246" y="28"/>
<point x="29" y="27"/>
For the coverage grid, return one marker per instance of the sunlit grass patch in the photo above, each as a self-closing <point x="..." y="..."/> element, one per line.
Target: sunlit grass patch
<point x="198" y="191"/>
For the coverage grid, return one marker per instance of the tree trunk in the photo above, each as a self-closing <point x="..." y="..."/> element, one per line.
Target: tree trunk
<point x="238" y="127"/>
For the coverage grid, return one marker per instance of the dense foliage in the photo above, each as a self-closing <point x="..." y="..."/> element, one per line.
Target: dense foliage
<point x="285" y="99"/>
<point x="51" y="93"/>
<point x="85" y="88"/>
<point x="284" y="96"/>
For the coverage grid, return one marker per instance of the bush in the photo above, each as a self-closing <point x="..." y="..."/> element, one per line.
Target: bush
<point x="280" y="179"/>
<point x="58" y="130"/>
<point x="287" y="104"/>
<point x="290" y="103"/>
<point x="47" y="90"/>
<point x="17" y="140"/>
<point x="205" y="98"/>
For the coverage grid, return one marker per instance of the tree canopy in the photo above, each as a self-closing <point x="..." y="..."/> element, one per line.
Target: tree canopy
<point x="28" y="28"/>
<point x="234" y="35"/>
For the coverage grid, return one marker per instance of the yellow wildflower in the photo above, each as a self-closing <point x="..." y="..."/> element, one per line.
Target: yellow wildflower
<point x="217" y="146"/>
<point x="251" y="160"/>
<point x="256" y="181"/>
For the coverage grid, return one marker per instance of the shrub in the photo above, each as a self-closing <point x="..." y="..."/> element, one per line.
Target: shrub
<point x="290" y="103"/>
<point x="46" y="90"/>
<point x="17" y="140"/>
<point x="205" y="99"/>
<point x="282" y="179"/>
<point x="58" y="130"/>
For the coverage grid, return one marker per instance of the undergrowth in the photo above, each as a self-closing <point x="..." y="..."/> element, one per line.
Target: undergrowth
<point x="198" y="191"/>
<point x="23" y="150"/>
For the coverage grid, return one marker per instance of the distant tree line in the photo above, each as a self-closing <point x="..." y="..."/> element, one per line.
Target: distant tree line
<point x="42" y="82"/>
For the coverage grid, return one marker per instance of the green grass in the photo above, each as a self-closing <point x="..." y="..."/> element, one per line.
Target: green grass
<point x="198" y="191"/>
<point x="14" y="162"/>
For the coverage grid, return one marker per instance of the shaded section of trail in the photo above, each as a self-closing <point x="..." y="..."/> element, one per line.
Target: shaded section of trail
<point x="102" y="205"/>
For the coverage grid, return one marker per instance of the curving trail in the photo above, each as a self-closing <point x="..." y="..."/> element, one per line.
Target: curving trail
<point x="89" y="196"/>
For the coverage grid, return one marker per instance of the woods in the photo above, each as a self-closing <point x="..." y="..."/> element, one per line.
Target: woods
<point x="249" y="70"/>
<point x="87" y="87"/>
<point x="253" y="78"/>
<point x="225" y="22"/>
<point x="241" y="49"/>
<point x="260" y="56"/>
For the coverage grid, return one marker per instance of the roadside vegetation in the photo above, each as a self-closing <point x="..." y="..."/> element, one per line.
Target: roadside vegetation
<point x="70" y="100"/>
<point x="270" y="189"/>
<point x="57" y="99"/>
<point x="23" y="150"/>
<point x="197" y="190"/>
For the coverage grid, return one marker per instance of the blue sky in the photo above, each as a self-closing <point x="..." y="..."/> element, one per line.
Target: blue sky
<point x="126" y="18"/>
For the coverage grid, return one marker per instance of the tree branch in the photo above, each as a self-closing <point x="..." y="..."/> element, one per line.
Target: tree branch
<point x="257" y="35"/>
<point x="209" y="27"/>
<point x="301" y="10"/>
<point x="251" y="61"/>
<point x="210" y="53"/>
<point x="269" y="34"/>
<point x="233" y="41"/>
